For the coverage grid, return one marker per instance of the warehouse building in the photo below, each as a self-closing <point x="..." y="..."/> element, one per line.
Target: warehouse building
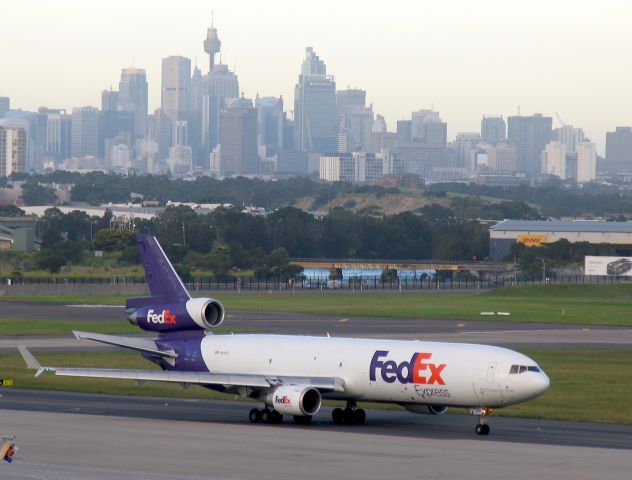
<point x="533" y="233"/>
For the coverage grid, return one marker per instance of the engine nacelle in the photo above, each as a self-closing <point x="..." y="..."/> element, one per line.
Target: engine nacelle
<point x="425" y="409"/>
<point x="295" y="400"/>
<point x="194" y="314"/>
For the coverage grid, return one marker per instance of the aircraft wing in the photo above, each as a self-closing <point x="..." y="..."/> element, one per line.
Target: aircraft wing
<point x="199" y="378"/>
<point x="138" y="344"/>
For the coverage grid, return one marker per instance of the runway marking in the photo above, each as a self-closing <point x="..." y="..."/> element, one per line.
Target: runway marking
<point x="527" y="331"/>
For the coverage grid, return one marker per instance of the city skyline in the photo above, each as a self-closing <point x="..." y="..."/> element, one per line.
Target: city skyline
<point x="464" y="60"/>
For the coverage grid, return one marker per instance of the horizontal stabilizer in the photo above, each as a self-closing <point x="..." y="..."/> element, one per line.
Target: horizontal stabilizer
<point x="138" y="344"/>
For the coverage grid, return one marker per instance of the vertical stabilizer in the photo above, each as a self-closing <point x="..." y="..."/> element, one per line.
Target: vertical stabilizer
<point x="164" y="283"/>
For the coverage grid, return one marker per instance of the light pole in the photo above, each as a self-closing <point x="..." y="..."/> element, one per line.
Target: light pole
<point x="543" y="269"/>
<point x="218" y="237"/>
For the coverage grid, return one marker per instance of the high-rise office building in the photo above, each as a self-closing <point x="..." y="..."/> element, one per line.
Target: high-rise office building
<point x="238" y="138"/>
<point x="466" y="147"/>
<point x="493" y="129"/>
<point x="530" y="134"/>
<point x="586" y="162"/>
<point x="427" y="128"/>
<point x="109" y="100"/>
<point x="619" y="150"/>
<point x="132" y="97"/>
<point x="570" y="137"/>
<point x="355" y="119"/>
<point x="554" y="159"/>
<point x="5" y="106"/>
<point x="12" y="150"/>
<point x="315" y="119"/>
<point x="502" y="158"/>
<point x="270" y="123"/>
<point x="56" y="132"/>
<point x="176" y="82"/>
<point x="85" y="126"/>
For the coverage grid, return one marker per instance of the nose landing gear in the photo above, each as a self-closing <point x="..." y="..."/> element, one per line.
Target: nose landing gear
<point x="482" y="428"/>
<point x="351" y="415"/>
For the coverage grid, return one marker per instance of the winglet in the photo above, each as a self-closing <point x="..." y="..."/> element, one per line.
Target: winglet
<point x="31" y="361"/>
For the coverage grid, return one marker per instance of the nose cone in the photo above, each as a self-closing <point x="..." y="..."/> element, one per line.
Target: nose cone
<point x="541" y="384"/>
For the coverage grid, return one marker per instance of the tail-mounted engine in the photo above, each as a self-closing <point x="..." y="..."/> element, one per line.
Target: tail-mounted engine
<point x="194" y="314"/>
<point x="295" y="400"/>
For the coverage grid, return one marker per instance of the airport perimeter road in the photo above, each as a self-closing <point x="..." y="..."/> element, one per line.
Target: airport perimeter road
<point x="190" y="440"/>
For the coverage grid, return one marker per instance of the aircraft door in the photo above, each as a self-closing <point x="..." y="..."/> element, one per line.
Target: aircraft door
<point x="491" y="370"/>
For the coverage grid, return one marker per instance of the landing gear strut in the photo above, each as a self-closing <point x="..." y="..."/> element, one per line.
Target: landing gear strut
<point x="265" y="416"/>
<point x="482" y="428"/>
<point x="351" y="415"/>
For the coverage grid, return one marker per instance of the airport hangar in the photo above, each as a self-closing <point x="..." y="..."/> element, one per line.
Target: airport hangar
<point x="534" y="233"/>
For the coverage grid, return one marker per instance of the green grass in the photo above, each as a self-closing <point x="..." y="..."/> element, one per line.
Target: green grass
<point x="565" y="304"/>
<point x="28" y="326"/>
<point x="577" y="304"/>
<point x="586" y="384"/>
<point x="96" y="299"/>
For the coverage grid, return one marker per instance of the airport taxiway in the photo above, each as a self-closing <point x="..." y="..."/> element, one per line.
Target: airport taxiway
<point x="93" y="437"/>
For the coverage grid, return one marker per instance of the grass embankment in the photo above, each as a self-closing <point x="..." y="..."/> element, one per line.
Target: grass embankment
<point x="570" y="304"/>
<point x="586" y="385"/>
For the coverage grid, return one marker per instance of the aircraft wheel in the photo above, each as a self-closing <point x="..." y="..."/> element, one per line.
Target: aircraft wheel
<point x="338" y="416"/>
<point x="302" y="419"/>
<point x="349" y="416"/>
<point x="255" y="415"/>
<point x="482" y="429"/>
<point x="266" y="416"/>
<point x="360" y="416"/>
<point x="277" y="417"/>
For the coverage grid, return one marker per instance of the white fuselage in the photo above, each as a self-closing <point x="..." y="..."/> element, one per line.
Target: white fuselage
<point x="407" y="372"/>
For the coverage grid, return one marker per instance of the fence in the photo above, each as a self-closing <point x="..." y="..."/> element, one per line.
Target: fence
<point x="464" y="282"/>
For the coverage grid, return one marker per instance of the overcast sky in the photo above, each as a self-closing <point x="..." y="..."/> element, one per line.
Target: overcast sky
<point x="465" y="58"/>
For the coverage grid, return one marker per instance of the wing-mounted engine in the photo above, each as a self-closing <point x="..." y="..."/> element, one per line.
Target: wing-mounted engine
<point x="427" y="409"/>
<point x="194" y="314"/>
<point x="297" y="400"/>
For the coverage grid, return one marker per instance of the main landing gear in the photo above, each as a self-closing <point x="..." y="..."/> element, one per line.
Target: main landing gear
<point x="482" y="428"/>
<point x="351" y="415"/>
<point x="265" y="416"/>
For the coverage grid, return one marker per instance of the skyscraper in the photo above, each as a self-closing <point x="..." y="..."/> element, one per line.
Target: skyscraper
<point x="176" y="82"/>
<point x="238" y="138"/>
<point x="270" y="123"/>
<point x="12" y="150"/>
<point x="619" y="150"/>
<point x="315" y="122"/>
<point x="5" y="106"/>
<point x="109" y="100"/>
<point x="85" y="126"/>
<point x="493" y="129"/>
<point x="586" y="162"/>
<point x="554" y="159"/>
<point x="354" y="118"/>
<point x="531" y="134"/>
<point x="570" y="137"/>
<point x="132" y="97"/>
<point x="428" y="128"/>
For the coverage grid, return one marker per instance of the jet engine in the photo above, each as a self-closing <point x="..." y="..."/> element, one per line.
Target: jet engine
<point x="295" y="400"/>
<point x="433" y="409"/>
<point x="194" y="314"/>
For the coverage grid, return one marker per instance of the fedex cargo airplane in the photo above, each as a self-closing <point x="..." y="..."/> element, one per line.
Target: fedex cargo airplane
<point x="290" y="375"/>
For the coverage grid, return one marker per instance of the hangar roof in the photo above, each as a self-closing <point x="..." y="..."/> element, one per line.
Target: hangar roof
<point x="563" y="226"/>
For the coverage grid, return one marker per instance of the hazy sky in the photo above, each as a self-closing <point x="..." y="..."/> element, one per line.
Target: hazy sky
<point x="466" y="58"/>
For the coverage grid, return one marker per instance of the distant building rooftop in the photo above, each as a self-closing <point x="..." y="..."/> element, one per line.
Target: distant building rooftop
<point x="563" y="226"/>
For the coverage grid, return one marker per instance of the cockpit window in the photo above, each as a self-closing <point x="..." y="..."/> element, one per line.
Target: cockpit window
<point x="518" y="369"/>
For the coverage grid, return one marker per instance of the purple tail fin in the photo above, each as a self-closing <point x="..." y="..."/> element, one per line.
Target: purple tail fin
<point x="164" y="283"/>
